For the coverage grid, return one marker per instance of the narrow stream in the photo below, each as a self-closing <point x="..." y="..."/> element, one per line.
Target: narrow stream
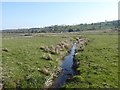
<point x="67" y="71"/>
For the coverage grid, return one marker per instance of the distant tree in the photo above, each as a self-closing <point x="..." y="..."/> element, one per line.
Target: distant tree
<point x="92" y="23"/>
<point x="93" y="28"/>
<point x="81" y="24"/>
<point x="77" y="30"/>
<point x="70" y="30"/>
<point x="85" y="24"/>
<point x="43" y="31"/>
<point x="32" y="31"/>
<point x="99" y="27"/>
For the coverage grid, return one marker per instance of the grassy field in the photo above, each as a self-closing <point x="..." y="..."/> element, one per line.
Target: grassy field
<point x="23" y="60"/>
<point x="98" y="63"/>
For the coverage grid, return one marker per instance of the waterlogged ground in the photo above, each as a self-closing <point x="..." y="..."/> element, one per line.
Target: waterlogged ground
<point x="23" y="61"/>
<point x="98" y="63"/>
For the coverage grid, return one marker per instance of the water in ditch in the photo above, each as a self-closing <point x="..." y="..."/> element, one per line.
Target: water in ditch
<point x="67" y="71"/>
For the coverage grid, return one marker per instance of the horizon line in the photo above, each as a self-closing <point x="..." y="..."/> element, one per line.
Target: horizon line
<point x="56" y="24"/>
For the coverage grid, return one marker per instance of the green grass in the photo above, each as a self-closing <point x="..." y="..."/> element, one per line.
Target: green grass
<point x="24" y="57"/>
<point x="98" y="63"/>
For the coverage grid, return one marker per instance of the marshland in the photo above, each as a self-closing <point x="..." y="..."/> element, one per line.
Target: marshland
<point x="35" y="62"/>
<point x="51" y="45"/>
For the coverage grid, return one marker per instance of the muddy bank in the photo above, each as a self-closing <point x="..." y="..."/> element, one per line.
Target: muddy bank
<point x="67" y="71"/>
<point x="61" y="49"/>
<point x="68" y="68"/>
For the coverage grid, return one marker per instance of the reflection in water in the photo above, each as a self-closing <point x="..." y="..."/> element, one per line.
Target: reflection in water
<point x="67" y="70"/>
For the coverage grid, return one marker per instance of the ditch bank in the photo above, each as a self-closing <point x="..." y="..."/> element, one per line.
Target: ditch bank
<point x="67" y="71"/>
<point x="68" y="67"/>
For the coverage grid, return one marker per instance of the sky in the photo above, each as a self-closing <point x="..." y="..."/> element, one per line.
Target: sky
<point x="39" y="14"/>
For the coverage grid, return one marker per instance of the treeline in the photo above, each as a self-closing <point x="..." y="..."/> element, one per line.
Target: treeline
<point x="68" y="28"/>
